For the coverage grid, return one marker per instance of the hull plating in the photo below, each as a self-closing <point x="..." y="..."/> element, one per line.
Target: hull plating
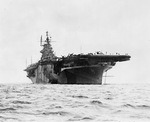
<point x="79" y="75"/>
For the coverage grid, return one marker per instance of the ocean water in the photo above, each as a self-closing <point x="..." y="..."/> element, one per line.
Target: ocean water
<point x="75" y="103"/>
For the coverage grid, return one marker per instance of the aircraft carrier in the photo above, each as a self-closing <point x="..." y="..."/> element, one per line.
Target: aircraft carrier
<point x="72" y="69"/>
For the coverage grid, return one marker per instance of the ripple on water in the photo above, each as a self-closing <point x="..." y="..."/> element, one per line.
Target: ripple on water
<point x="9" y="119"/>
<point x="80" y="118"/>
<point x="78" y="96"/>
<point x="7" y="109"/>
<point x="87" y="118"/>
<point x="143" y="106"/>
<point x="128" y="105"/>
<point x="109" y="98"/>
<point x="96" y="102"/>
<point x="61" y="113"/>
<point x="136" y="106"/>
<point x="21" y="102"/>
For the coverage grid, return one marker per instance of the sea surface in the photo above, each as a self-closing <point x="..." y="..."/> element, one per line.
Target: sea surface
<point x="75" y="103"/>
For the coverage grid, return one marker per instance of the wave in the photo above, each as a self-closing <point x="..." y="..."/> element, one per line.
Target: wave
<point x="8" y="118"/>
<point x="62" y="113"/>
<point x="128" y="105"/>
<point x="7" y="109"/>
<point x="21" y="102"/>
<point x="79" y="118"/>
<point x="79" y="96"/>
<point x="96" y="102"/>
<point x="87" y="118"/>
<point x="143" y="106"/>
<point x="137" y="106"/>
<point x="109" y="98"/>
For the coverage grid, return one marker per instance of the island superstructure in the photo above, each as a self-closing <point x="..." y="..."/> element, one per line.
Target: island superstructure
<point x="71" y="69"/>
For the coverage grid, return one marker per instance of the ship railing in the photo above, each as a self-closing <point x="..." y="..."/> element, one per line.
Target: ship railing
<point x="101" y="53"/>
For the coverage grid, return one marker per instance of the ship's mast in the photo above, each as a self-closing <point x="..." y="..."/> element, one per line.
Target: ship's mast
<point x="47" y="38"/>
<point x="41" y="41"/>
<point x="47" y="41"/>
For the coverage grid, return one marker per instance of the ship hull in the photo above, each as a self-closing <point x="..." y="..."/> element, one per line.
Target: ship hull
<point x="73" y="75"/>
<point x="83" y="75"/>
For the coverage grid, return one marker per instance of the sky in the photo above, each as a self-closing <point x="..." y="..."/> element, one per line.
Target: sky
<point x="76" y="26"/>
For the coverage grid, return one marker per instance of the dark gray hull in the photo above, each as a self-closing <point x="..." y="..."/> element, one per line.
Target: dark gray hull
<point x="83" y="75"/>
<point x="76" y="75"/>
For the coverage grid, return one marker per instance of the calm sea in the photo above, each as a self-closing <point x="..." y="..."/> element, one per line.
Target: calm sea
<point x="75" y="103"/>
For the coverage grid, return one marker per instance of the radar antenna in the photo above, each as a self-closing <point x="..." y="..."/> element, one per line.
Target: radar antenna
<point x="47" y="41"/>
<point x="47" y="38"/>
